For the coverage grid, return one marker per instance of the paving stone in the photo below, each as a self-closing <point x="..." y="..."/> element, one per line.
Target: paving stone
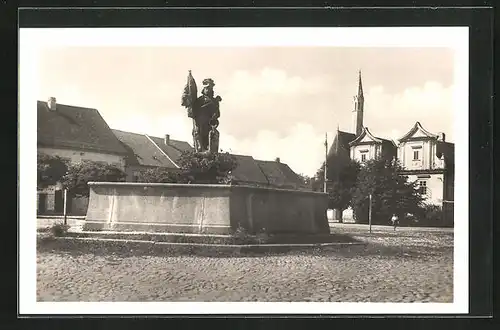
<point x="378" y="272"/>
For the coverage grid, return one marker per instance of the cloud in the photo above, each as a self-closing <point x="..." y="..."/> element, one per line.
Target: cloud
<point x="389" y="114"/>
<point x="302" y="147"/>
<point x="272" y="100"/>
<point x="264" y="130"/>
<point x="265" y="113"/>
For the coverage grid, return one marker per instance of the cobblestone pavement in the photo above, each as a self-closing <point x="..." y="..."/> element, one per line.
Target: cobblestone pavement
<point x="401" y="266"/>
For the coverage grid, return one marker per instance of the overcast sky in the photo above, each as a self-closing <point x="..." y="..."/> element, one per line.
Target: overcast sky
<point x="276" y="101"/>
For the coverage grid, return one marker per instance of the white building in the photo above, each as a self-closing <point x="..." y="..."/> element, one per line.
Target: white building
<point x="425" y="156"/>
<point x="73" y="134"/>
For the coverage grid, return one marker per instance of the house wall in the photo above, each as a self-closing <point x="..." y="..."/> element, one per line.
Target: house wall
<point x="427" y="152"/>
<point x="76" y="156"/>
<point x="371" y="150"/>
<point x="48" y="198"/>
<point x="435" y="186"/>
<point x="450" y="186"/>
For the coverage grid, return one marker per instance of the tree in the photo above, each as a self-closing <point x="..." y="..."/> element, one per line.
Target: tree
<point x="50" y="169"/>
<point x="160" y="175"/>
<point x="79" y="174"/>
<point x="391" y="192"/>
<point x="306" y="180"/>
<point x="341" y="178"/>
<point x="210" y="168"/>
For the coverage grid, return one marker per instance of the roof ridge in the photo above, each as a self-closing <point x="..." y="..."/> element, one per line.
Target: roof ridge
<point x="163" y="152"/>
<point x="71" y="106"/>
<point x="128" y="132"/>
<point x="262" y="171"/>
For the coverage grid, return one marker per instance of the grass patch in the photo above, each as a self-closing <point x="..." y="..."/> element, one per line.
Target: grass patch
<point x="59" y="229"/>
<point x="235" y="239"/>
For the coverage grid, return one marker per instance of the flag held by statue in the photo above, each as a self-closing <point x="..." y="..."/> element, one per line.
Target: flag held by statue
<point x="190" y="94"/>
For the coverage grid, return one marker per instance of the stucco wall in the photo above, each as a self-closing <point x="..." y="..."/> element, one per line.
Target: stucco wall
<point x="435" y="186"/>
<point x="76" y="156"/>
<point x="203" y="208"/>
<point x="372" y="151"/>
<point x="428" y="159"/>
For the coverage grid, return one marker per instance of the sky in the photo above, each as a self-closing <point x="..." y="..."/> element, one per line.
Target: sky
<point x="276" y="101"/>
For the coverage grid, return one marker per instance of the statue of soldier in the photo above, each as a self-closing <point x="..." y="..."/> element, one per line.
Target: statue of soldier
<point x="205" y="113"/>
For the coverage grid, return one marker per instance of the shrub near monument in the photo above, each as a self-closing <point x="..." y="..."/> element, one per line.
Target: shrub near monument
<point x="195" y="167"/>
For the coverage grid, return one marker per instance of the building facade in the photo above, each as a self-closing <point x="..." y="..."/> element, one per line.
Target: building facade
<point x="426" y="157"/>
<point x="366" y="146"/>
<point x="74" y="134"/>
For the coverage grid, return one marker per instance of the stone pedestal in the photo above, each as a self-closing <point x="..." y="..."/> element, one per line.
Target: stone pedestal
<point x="199" y="208"/>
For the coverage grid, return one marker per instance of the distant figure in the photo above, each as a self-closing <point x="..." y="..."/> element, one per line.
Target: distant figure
<point x="395" y="221"/>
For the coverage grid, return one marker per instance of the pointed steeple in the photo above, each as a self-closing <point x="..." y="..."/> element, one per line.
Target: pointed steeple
<point x="336" y="140"/>
<point x="360" y="87"/>
<point x="359" y="101"/>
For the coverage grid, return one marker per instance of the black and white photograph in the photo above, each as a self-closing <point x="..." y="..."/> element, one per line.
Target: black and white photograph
<point x="204" y="170"/>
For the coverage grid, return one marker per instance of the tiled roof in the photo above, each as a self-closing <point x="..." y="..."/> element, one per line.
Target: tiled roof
<point x="341" y="142"/>
<point x="265" y="173"/>
<point x="248" y="171"/>
<point x="150" y="151"/>
<point x="142" y="151"/>
<point x="280" y="175"/>
<point x="376" y="139"/>
<point x="272" y="172"/>
<point x="75" y="127"/>
<point x="173" y="149"/>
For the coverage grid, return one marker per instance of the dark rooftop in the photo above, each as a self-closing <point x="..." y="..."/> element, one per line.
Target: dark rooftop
<point x="75" y="127"/>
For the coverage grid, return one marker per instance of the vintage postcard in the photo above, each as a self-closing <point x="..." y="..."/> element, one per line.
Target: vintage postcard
<point x="260" y="170"/>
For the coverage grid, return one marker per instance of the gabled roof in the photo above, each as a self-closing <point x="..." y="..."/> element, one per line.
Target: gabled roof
<point x="366" y="132"/>
<point x="280" y="175"/>
<point x="248" y="170"/>
<point x="76" y="128"/>
<point x="142" y="150"/>
<point x="266" y="173"/>
<point x="173" y="149"/>
<point x="341" y="142"/>
<point x="418" y="128"/>
<point x="292" y="178"/>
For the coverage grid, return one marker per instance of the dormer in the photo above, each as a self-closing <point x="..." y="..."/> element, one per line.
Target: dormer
<point x="367" y="146"/>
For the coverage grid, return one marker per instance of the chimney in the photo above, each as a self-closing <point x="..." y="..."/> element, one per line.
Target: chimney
<point x="167" y="139"/>
<point x="51" y="103"/>
<point x="277" y="159"/>
<point x="441" y="137"/>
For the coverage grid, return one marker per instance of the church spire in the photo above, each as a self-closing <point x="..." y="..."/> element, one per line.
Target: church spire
<point x="359" y="101"/>
<point x="360" y="87"/>
<point x="337" y="139"/>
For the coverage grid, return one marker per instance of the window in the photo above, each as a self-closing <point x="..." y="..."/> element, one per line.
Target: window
<point x="423" y="187"/>
<point x="363" y="156"/>
<point x="416" y="155"/>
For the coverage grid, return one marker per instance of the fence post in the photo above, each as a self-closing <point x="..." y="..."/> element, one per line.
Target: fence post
<point x="65" y="202"/>
<point x="370" y="213"/>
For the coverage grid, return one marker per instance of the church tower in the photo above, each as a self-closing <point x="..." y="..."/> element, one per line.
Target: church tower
<point x="357" y="113"/>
